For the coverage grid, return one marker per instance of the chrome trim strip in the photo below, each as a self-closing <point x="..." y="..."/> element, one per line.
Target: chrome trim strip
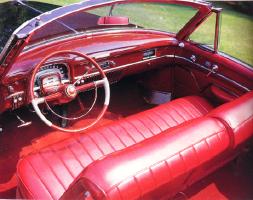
<point x="217" y="74"/>
<point x="14" y="94"/>
<point x="124" y="66"/>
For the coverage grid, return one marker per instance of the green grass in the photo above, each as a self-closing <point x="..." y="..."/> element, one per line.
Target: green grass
<point x="236" y="37"/>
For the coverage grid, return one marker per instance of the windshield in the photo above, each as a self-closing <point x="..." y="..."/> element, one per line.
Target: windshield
<point x="157" y="16"/>
<point x="162" y="17"/>
<point x="14" y="14"/>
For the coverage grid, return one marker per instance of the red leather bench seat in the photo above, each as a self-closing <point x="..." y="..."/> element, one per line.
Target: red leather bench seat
<point x="47" y="174"/>
<point x="165" y="164"/>
<point x="161" y="166"/>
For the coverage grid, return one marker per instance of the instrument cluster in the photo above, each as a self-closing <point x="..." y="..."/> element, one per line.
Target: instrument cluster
<point x="51" y="76"/>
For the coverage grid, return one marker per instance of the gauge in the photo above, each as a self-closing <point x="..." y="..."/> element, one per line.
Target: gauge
<point x="50" y="83"/>
<point x="59" y="67"/>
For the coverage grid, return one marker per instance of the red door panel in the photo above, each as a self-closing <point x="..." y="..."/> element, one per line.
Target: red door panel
<point x="231" y="78"/>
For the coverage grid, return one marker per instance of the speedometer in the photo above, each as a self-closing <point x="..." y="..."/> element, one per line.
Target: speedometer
<point x="48" y="72"/>
<point x="59" y="67"/>
<point x="50" y="83"/>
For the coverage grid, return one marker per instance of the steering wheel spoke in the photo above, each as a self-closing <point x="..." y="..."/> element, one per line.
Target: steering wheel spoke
<point x="91" y="85"/>
<point x="53" y="96"/>
<point x="85" y="87"/>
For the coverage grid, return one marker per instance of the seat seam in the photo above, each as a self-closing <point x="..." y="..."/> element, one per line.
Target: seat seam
<point x="162" y="119"/>
<point x="139" y="120"/>
<point x="196" y="153"/>
<point x="153" y="176"/>
<point x="98" y="147"/>
<point x="147" y="127"/>
<point x="71" y="151"/>
<point x="47" y="189"/>
<point x="166" y="111"/>
<point x="138" y="131"/>
<point x="88" y="153"/>
<point x="60" y="158"/>
<point x="169" y="169"/>
<point x="194" y="108"/>
<point x="182" y="158"/>
<point x="150" y="118"/>
<point x="117" y="137"/>
<point x="106" y="139"/>
<point x="187" y="111"/>
<point x="179" y="114"/>
<point x="57" y="178"/>
<point x="129" y="121"/>
<point x="202" y="106"/>
<point x="138" y="186"/>
<point x="128" y="133"/>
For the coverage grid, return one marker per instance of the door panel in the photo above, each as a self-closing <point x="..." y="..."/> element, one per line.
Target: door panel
<point x="232" y="77"/>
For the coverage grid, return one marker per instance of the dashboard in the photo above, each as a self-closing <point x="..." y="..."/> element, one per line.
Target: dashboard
<point x="116" y="57"/>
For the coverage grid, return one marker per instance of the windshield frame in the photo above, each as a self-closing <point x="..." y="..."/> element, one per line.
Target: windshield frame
<point x="22" y="35"/>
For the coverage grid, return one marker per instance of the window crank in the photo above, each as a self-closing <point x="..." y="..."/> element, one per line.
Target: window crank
<point x="214" y="70"/>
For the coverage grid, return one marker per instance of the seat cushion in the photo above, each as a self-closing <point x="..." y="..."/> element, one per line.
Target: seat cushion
<point x="238" y="115"/>
<point x="48" y="173"/>
<point x="147" y="171"/>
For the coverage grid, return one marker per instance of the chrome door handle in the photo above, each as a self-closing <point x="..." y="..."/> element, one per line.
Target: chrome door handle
<point x="214" y="69"/>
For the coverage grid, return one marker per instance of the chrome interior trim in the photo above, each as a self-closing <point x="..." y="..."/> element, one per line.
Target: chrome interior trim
<point x="14" y="94"/>
<point x="125" y="66"/>
<point x="216" y="74"/>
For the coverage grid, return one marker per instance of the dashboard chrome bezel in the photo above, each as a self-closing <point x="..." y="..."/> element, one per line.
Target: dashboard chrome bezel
<point x="48" y="72"/>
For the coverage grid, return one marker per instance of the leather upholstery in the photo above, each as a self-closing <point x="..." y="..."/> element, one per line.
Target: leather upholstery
<point x="135" y="174"/>
<point x="238" y="115"/>
<point x="48" y="173"/>
<point x="189" y="152"/>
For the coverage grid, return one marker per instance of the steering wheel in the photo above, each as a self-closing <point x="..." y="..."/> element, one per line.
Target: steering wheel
<point x="69" y="91"/>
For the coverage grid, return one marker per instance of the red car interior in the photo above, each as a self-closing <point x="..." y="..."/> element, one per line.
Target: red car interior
<point x="168" y="113"/>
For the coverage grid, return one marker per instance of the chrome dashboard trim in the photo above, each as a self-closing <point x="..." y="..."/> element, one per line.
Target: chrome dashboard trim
<point x="44" y="72"/>
<point x="125" y="66"/>
<point x="156" y="58"/>
<point x="216" y="74"/>
<point x="14" y="94"/>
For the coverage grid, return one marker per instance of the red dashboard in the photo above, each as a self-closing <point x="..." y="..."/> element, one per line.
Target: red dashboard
<point x="118" y="58"/>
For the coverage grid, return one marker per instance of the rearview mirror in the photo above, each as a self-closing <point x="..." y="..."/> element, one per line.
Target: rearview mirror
<point x="113" y="20"/>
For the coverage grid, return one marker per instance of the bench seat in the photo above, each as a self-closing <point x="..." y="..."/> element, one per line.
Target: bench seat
<point x="47" y="174"/>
